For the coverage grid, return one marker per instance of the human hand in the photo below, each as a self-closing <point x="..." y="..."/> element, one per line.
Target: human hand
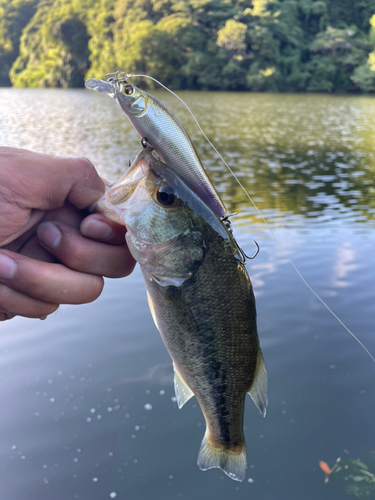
<point x="45" y="259"/>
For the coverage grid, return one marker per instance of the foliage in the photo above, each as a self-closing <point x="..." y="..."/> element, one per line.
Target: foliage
<point x="256" y="45"/>
<point x="364" y="77"/>
<point x="14" y="16"/>
<point x="53" y="46"/>
<point x="357" y="476"/>
<point x="232" y="36"/>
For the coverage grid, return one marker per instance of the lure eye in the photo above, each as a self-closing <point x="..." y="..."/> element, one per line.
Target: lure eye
<point x="128" y="90"/>
<point x="165" y="196"/>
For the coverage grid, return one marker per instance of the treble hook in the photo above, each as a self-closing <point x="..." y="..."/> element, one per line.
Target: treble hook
<point x="225" y="219"/>
<point x="256" y="253"/>
<point x="243" y="255"/>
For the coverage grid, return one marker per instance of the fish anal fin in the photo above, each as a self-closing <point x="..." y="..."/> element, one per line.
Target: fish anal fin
<point x="181" y="389"/>
<point x="259" y="388"/>
<point x="233" y="463"/>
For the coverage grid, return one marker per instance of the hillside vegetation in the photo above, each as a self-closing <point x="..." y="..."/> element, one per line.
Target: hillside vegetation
<point x="258" y="45"/>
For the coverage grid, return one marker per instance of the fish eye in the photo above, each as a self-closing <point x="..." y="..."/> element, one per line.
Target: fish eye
<point x="128" y="89"/>
<point x="165" y="196"/>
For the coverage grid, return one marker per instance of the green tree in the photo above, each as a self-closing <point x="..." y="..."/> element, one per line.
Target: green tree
<point x="54" y="47"/>
<point x="256" y="45"/>
<point x="364" y="75"/>
<point x="340" y="52"/>
<point x="14" y="16"/>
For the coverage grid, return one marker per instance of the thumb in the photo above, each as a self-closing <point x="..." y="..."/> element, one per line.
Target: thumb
<point x="43" y="182"/>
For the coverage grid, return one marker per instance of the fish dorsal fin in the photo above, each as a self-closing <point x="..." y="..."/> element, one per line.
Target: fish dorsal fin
<point x="259" y="388"/>
<point x="181" y="389"/>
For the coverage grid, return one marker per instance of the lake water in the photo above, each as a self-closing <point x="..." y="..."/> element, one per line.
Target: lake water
<point x="87" y="408"/>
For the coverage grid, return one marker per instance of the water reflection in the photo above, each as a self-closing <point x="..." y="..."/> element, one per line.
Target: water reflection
<point x="299" y="156"/>
<point x="309" y="157"/>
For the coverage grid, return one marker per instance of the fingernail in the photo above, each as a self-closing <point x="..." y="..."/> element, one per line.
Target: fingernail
<point x="96" y="229"/>
<point x="43" y="318"/>
<point x="7" y="267"/>
<point x="49" y="234"/>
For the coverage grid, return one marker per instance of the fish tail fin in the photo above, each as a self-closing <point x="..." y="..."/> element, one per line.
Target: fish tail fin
<point x="232" y="462"/>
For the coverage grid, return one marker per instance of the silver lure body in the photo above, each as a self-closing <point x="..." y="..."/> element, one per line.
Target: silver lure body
<point x="151" y="119"/>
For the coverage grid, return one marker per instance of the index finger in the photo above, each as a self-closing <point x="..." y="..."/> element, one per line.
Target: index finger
<point x="99" y="227"/>
<point x="44" y="281"/>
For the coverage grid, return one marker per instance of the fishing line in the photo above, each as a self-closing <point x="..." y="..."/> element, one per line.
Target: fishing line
<point x="260" y="215"/>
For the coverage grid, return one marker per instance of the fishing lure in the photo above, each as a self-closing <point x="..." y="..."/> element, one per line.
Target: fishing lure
<point x="163" y="132"/>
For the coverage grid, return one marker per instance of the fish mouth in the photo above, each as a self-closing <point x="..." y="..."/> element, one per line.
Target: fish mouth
<point x="120" y="191"/>
<point x="117" y="196"/>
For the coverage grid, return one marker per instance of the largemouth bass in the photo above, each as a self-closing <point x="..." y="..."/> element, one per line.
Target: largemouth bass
<point x="152" y="120"/>
<point x="201" y="300"/>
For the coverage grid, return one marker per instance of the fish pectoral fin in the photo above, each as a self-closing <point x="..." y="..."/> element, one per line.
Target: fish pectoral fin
<point x="171" y="280"/>
<point x="175" y="262"/>
<point x="181" y="389"/>
<point x="152" y="309"/>
<point x="259" y="388"/>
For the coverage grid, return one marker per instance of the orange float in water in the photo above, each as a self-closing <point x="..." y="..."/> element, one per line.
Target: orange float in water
<point x="325" y="467"/>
